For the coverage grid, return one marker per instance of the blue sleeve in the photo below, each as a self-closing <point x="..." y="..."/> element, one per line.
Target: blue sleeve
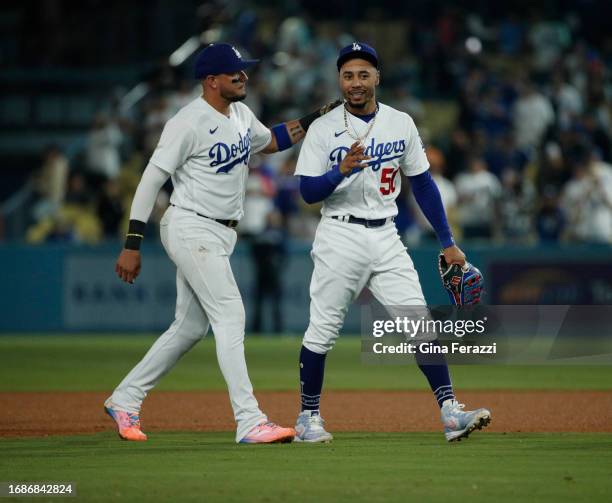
<point x="428" y="198"/>
<point x="317" y="188"/>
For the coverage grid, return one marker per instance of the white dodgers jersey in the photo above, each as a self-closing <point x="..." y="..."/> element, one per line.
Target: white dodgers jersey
<point x="393" y="144"/>
<point x="207" y="154"/>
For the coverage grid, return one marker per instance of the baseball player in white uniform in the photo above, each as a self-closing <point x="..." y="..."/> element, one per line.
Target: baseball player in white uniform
<point x="205" y="149"/>
<point x="350" y="160"/>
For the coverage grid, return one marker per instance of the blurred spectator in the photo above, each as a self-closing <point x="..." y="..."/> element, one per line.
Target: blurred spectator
<point x="553" y="173"/>
<point x="598" y="132"/>
<point x="157" y="115"/>
<point x="492" y="114"/>
<point x="550" y="221"/>
<point x="103" y="145"/>
<point x="511" y="35"/>
<point x="186" y="92"/>
<point x="77" y="191"/>
<point x="49" y="183"/>
<point x="259" y="199"/>
<point x="517" y="206"/>
<point x="288" y="191"/>
<point x="476" y="26"/>
<point x="293" y="35"/>
<point x="548" y="38"/>
<point x="587" y="202"/>
<point x="74" y="222"/>
<point x="269" y="255"/>
<point x="262" y="225"/>
<point x="469" y="99"/>
<point x="458" y="153"/>
<point x="110" y="209"/>
<point x="478" y="195"/>
<point x="566" y="100"/>
<point x="532" y="116"/>
<point x="501" y="155"/>
<point x="518" y="128"/>
<point x="299" y="219"/>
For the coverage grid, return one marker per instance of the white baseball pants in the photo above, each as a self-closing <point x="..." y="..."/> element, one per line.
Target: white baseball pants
<point x="348" y="257"/>
<point x="206" y="294"/>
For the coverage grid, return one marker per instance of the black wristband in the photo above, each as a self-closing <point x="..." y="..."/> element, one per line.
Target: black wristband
<point x="135" y="235"/>
<point x="307" y="120"/>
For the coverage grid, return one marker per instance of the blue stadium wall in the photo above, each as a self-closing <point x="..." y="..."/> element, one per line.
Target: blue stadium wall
<point x="57" y="288"/>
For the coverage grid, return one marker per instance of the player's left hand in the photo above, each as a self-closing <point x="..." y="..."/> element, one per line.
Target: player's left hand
<point x="454" y="255"/>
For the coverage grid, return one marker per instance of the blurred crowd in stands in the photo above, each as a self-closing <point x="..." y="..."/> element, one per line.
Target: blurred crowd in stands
<point x="515" y="112"/>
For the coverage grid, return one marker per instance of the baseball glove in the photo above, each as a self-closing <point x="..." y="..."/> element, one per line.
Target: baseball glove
<point x="463" y="284"/>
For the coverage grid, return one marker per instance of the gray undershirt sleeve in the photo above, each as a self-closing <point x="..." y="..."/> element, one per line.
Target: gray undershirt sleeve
<point x="153" y="179"/>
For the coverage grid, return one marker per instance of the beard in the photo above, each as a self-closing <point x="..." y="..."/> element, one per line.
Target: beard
<point x="233" y="97"/>
<point x="237" y="98"/>
<point x="357" y="105"/>
<point x="365" y="101"/>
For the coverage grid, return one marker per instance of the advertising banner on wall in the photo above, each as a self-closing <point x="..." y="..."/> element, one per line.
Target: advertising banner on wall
<point x="547" y="283"/>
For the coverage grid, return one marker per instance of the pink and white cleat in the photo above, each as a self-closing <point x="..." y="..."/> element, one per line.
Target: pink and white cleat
<point x="269" y="433"/>
<point x="128" y="423"/>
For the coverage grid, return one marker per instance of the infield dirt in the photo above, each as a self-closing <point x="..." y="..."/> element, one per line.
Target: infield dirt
<point x="59" y="413"/>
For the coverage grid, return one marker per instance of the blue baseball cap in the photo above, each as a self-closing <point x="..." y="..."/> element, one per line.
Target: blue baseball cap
<point x="220" y="58"/>
<point x="357" y="50"/>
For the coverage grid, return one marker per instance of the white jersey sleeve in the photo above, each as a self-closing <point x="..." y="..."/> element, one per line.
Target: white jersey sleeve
<point x="153" y="178"/>
<point x="312" y="160"/>
<point x="414" y="162"/>
<point x="261" y="136"/>
<point x="176" y="144"/>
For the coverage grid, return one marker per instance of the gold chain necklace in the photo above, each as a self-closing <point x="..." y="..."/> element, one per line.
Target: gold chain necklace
<point x="355" y="136"/>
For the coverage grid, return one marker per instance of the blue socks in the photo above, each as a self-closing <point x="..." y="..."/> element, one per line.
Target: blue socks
<point x="435" y="369"/>
<point x="312" y="368"/>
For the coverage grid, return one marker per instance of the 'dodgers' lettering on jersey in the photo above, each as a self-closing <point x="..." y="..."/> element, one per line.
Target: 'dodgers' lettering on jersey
<point x="380" y="152"/>
<point x="231" y="155"/>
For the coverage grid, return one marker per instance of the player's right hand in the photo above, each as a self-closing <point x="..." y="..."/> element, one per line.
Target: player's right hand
<point x="354" y="159"/>
<point x="128" y="265"/>
<point x="454" y="255"/>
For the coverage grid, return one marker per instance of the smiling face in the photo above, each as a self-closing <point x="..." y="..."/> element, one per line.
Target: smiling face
<point x="358" y="80"/>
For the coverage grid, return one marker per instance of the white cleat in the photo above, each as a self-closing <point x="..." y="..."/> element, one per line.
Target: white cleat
<point x="459" y="424"/>
<point x="309" y="428"/>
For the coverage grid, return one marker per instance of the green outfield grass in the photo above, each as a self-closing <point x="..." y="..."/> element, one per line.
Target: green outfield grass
<point x="355" y="467"/>
<point x="97" y="363"/>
